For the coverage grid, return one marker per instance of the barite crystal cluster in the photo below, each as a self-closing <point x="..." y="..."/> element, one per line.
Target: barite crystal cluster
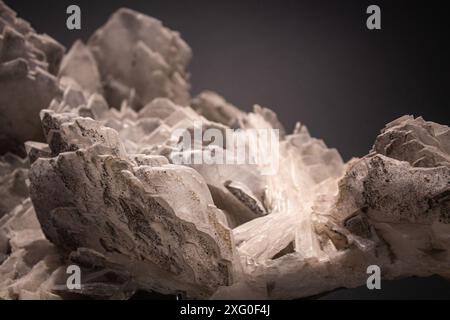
<point x="99" y="188"/>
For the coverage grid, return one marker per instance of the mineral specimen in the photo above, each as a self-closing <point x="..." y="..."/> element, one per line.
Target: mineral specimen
<point x="131" y="57"/>
<point x="28" y="64"/>
<point x="105" y="185"/>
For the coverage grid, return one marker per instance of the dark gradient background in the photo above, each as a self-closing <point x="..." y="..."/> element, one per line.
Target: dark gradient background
<point x="310" y="61"/>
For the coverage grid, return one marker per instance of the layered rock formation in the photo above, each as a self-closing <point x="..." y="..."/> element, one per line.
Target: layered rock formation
<point x="105" y="185"/>
<point x="131" y="57"/>
<point x="28" y="64"/>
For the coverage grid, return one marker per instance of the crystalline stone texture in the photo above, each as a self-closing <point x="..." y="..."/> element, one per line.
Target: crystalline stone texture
<point x="28" y="63"/>
<point x="132" y="57"/>
<point x="99" y="187"/>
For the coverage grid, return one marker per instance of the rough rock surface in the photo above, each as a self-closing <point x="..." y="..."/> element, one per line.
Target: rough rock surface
<point x="168" y="243"/>
<point x="28" y="63"/>
<point x="132" y="57"/>
<point x="106" y="186"/>
<point x="79" y="64"/>
<point x="29" y="262"/>
<point x="13" y="182"/>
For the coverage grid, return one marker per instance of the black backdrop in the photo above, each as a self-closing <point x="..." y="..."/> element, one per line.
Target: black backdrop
<point x="310" y="61"/>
